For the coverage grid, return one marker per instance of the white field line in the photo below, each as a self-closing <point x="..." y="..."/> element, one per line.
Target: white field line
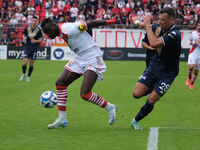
<point x="153" y="139"/>
<point x="181" y="128"/>
<point x="153" y="136"/>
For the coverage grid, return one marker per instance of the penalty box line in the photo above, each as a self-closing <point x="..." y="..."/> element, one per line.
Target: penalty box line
<point x="153" y="136"/>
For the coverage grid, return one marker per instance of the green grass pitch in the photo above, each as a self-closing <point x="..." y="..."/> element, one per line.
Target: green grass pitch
<point x="23" y="120"/>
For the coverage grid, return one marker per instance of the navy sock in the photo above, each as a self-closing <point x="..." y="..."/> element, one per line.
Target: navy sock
<point x="30" y="70"/>
<point x="23" y="69"/>
<point x="144" y="111"/>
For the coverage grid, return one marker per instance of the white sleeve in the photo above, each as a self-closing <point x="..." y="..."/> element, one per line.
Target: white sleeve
<point x="73" y="29"/>
<point x="82" y="26"/>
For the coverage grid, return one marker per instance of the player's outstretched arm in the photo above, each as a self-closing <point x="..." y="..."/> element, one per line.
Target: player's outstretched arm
<point x="136" y="21"/>
<point x="96" y="23"/>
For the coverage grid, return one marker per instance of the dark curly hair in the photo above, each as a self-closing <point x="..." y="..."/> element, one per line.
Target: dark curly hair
<point x="46" y="21"/>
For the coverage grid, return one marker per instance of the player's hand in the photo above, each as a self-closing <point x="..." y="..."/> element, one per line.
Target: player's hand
<point x="115" y="15"/>
<point x="33" y="41"/>
<point x="113" y="20"/>
<point x="135" y="19"/>
<point x="147" y="20"/>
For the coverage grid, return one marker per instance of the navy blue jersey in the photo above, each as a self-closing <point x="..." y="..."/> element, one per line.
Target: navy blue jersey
<point x="31" y="33"/>
<point x="166" y="59"/>
<point x="149" y="53"/>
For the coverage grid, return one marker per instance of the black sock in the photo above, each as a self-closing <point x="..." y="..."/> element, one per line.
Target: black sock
<point x="144" y="111"/>
<point x="23" y="69"/>
<point x="30" y="70"/>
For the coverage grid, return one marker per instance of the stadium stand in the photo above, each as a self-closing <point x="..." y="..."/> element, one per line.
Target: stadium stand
<point x="187" y="12"/>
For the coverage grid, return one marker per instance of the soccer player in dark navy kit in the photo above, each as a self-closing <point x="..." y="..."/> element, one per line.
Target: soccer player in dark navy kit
<point x="164" y="66"/>
<point x="33" y="36"/>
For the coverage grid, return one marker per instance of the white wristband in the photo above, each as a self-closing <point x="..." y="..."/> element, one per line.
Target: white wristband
<point x="136" y="22"/>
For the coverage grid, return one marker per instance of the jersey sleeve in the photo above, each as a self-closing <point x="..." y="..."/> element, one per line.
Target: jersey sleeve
<point x="25" y="31"/>
<point x="40" y="34"/>
<point x="145" y="39"/>
<point x="73" y="29"/>
<point x="82" y="26"/>
<point x="170" y="37"/>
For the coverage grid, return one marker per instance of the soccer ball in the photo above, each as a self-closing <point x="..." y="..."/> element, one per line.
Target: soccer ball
<point x="48" y="99"/>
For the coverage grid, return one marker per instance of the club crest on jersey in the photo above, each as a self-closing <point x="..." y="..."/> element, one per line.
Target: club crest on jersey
<point x="157" y="32"/>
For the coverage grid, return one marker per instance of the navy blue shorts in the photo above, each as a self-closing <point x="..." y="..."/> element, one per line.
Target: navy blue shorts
<point x="30" y="54"/>
<point x="159" y="82"/>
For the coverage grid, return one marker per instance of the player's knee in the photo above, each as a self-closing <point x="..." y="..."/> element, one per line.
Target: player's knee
<point x="85" y="90"/>
<point x="59" y="83"/>
<point x="24" y="63"/>
<point x="136" y="94"/>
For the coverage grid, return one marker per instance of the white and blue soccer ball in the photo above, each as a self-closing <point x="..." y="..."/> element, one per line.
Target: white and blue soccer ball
<point x="48" y="99"/>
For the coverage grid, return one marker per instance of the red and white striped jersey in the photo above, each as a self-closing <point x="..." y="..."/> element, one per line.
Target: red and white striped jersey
<point x="195" y="38"/>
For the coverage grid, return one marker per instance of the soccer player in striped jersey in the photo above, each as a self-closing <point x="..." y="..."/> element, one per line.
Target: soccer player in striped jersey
<point x="194" y="57"/>
<point x="88" y="62"/>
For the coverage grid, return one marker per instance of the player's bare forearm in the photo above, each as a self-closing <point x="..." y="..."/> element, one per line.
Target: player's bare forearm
<point x="37" y="41"/>
<point x="40" y="40"/>
<point x="141" y="24"/>
<point x="136" y="21"/>
<point x="95" y="23"/>
<point x="153" y="41"/>
<point x="145" y="45"/>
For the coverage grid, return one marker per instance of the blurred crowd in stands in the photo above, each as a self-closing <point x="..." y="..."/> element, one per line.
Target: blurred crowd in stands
<point x="15" y="15"/>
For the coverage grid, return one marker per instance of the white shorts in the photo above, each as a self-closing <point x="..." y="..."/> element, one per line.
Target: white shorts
<point x="80" y="65"/>
<point x="195" y="60"/>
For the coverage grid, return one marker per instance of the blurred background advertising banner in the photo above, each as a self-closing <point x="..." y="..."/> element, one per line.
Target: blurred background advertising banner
<point x="61" y="53"/>
<point x="17" y="52"/>
<point x="3" y="52"/>
<point x="59" y="42"/>
<point x="133" y="54"/>
<point x="128" y="38"/>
